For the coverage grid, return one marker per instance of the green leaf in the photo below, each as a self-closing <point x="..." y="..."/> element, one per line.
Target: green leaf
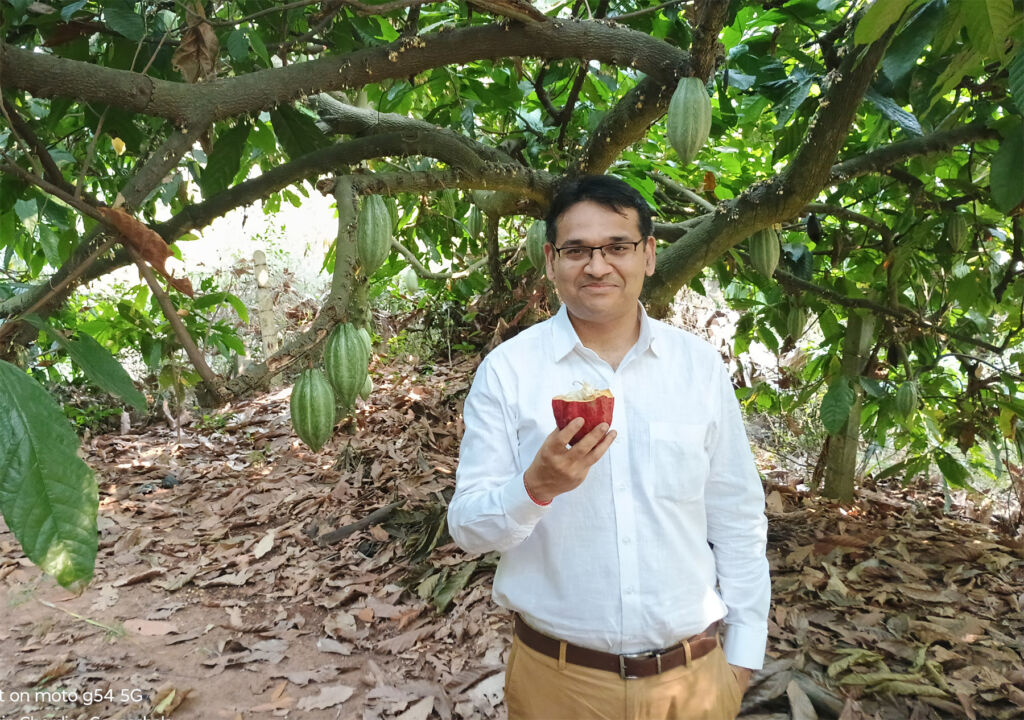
<point x="296" y="131"/>
<point x="71" y="8"/>
<point x="47" y="494"/>
<point x="878" y="18"/>
<point x="907" y="47"/>
<point x="97" y="363"/>
<point x="956" y="475"/>
<point x="988" y="22"/>
<point x="1016" y="80"/>
<point x="1007" y="177"/>
<point x="452" y="585"/>
<point x="238" y="45"/>
<point x="836" y="405"/>
<point x="122" y="19"/>
<point x="224" y="161"/>
<point x="102" y="369"/>
<point x="893" y="112"/>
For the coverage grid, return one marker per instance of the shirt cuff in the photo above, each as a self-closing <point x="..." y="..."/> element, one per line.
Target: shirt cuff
<point x="745" y="646"/>
<point x="519" y="505"/>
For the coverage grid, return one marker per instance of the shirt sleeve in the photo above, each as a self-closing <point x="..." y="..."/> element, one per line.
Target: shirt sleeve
<point x="738" y="532"/>
<point x="491" y="509"/>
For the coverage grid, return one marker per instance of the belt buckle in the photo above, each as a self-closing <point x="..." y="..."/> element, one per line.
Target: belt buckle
<point x="637" y="656"/>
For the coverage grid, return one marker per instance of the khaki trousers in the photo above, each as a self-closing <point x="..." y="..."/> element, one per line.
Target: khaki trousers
<point x="538" y="687"/>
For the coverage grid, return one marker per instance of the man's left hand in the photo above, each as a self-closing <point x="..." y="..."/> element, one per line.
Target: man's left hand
<point x="742" y="677"/>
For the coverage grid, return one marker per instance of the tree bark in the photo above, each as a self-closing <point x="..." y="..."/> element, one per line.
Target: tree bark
<point x="841" y="463"/>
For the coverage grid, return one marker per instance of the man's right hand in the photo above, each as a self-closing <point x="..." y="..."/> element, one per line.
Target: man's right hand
<point x="557" y="469"/>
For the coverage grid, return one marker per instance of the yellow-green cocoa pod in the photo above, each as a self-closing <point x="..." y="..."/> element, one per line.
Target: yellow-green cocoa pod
<point x="367" y="388"/>
<point x="347" y="359"/>
<point x="312" y="408"/>
<point x="906" y="399"/>
<point x="956" y="231"/>
<point x="688" y="122"/>
<point x="796" y="320"/>
<point x="408" y="280"/>
<point x="373" y="234"/>
<point x="536" y="236"/>
<point x="765" y="249"/>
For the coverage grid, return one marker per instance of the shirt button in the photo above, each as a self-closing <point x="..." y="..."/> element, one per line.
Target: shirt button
<point x="626" y="540"/>
<point x="622" y="486"/>
<point x="629" y="591"/>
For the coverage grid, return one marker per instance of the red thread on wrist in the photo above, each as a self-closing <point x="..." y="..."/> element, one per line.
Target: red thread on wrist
<point x="530" y="495"/>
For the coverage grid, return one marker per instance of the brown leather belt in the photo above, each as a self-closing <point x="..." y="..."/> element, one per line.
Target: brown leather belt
<point x="635" y="665"/>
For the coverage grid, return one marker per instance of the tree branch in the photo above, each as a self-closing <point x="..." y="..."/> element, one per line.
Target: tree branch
<point x="195" y="356"/>
<point x="46" y="75"/>
<point x="347" y="119"/>
<point x="24" y="130"/>
<point x="878" y="160"/>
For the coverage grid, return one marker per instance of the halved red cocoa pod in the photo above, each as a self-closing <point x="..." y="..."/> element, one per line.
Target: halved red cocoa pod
<point x="594" y="406"/>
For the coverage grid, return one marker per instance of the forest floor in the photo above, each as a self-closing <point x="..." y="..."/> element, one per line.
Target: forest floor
<point x="242" y="576"/>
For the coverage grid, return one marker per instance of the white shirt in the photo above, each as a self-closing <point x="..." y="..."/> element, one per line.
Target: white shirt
<point x="622" y="563"/>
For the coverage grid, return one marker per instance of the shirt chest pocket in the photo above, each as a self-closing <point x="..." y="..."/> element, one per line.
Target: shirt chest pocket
<point x="679" y="460"/>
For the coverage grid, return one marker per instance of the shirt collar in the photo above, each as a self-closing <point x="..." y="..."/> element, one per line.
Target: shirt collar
<point x="565" y="339"/>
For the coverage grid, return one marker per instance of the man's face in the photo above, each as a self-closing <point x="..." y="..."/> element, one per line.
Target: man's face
<point x="603" y="288"/>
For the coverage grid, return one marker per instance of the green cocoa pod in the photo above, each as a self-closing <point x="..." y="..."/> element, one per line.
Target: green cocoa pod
<point x="347" y="359"/>
<point x="688" y="122"/>
<point x="367" y="388"/>
<point x="906" y="399"/>
<point x="796" y="321"/>
<point x="475" y="225"/>
<point x="312" y="408"/>
<point x="536" y="236"/>
<point x="765" y="250"/>
<point x="956" y="231"/>
<point x="373" y="234"/>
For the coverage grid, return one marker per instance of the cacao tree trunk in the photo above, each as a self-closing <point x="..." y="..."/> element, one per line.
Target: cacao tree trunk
<point x="841" y="463"/>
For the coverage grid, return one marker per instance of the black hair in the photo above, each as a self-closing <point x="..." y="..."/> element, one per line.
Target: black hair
<point x="605" y="190"/>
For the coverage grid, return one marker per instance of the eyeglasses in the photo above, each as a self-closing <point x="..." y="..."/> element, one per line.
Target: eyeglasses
<point x="583" y="253"/>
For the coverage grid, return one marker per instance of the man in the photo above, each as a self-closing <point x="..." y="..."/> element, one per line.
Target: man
<point x="621" y="553"/>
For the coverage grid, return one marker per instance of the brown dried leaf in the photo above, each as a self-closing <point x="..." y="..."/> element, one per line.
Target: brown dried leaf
<point x="196" y="56"/>
<point x="146" y="242"/>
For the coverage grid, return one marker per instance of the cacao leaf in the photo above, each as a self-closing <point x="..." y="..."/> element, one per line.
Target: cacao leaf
<point x="296" y="131"/>
<point x="836" y="405"/>
<point x="47" y="494"/>
<point x="120" y="18"/>
<point x="1007" y="176"/>
<point x="1016" y="80"/>
<point x="988" y="22"/>
<point x="224" y="160"/>
<point x="879" y="17"/>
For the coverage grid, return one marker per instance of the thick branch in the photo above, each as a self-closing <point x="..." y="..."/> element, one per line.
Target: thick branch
<point x="45" y="75"/>
<point x="704" y="50"/>
<point x="877" y="160"/>
<point x="351" y="120"/>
